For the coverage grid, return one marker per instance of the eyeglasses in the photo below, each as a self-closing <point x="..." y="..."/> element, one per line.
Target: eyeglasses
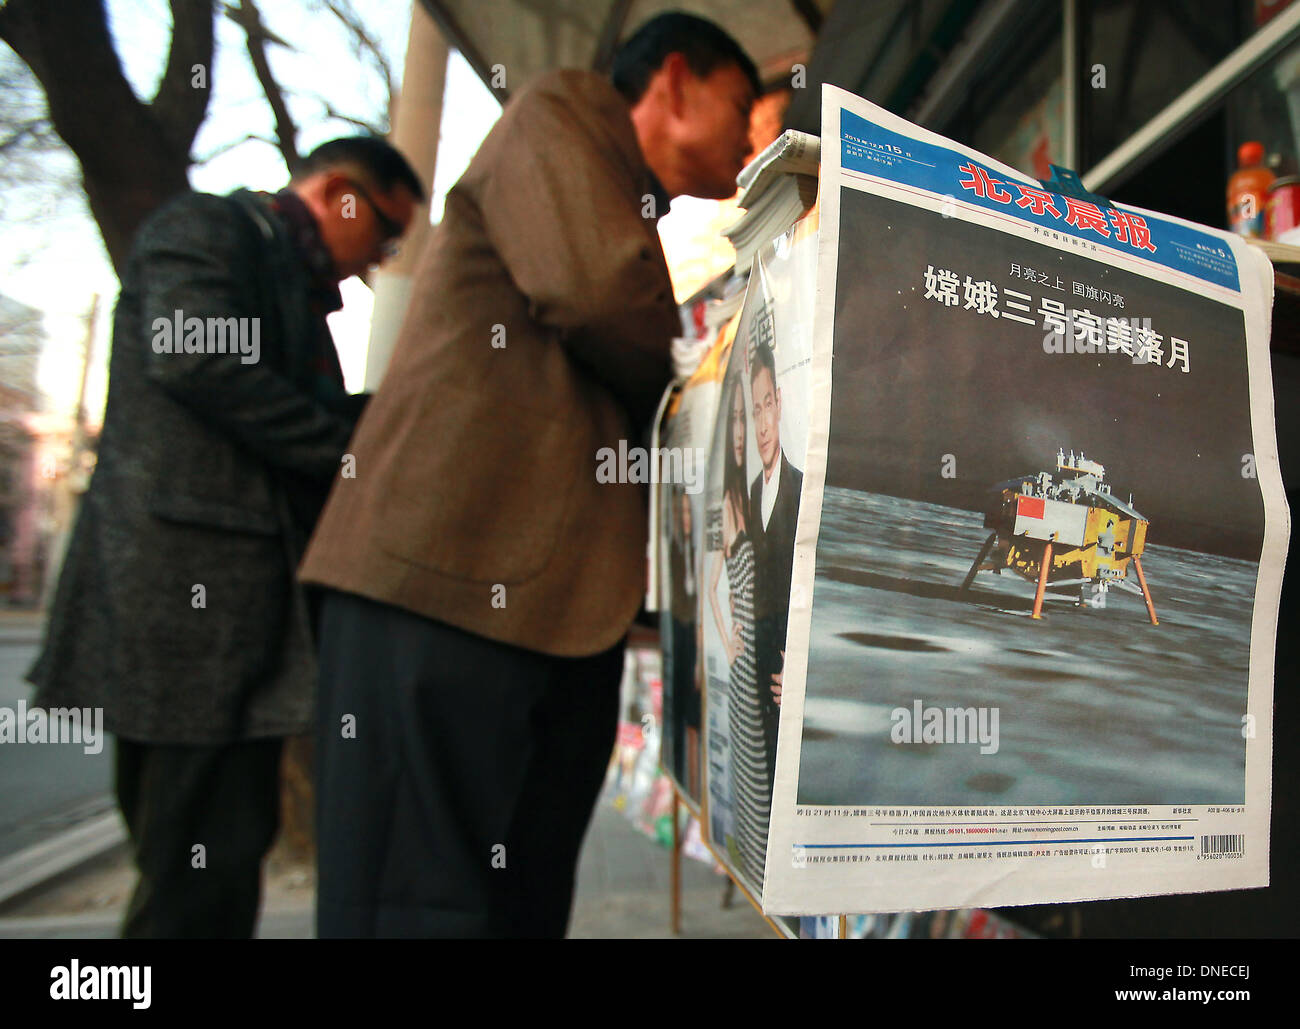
<point x="392" y="229"/>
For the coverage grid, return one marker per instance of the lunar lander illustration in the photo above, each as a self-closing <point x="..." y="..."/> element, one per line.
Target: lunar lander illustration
<point x="1065" y="531"/>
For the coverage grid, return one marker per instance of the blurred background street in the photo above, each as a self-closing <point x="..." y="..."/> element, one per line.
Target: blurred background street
<point x="57" y="809"/>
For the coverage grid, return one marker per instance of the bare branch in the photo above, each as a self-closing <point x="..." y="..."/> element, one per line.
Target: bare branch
<point x="249" y="18"/>
<point x="330" y="111"/>
<point x="37" y="131"/>
<point x="252" y="137"/>
<point x="366" y="43"/>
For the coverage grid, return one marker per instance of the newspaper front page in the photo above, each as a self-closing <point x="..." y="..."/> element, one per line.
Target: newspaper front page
<point x="678" y="508"/>
<point x="1039" y="548"/>
<point x="751" y="503"/>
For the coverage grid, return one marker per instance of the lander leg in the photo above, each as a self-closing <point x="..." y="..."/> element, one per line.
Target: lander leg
<point x="1146" y="593"/>
<point x="1045" y="562"/>
<point x="979" y="560"/>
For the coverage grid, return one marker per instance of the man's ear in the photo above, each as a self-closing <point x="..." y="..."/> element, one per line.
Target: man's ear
<point x="330" y="183"/>
<point x="334" y="187"/>
<point x="675" y="71"/>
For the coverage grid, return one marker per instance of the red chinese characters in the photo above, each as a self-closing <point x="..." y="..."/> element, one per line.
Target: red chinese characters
<point x="1131" y="229"/>
<point x="1082" y="214"/>
<point x="1039" y="201"/>
<point x="984" y="184"/>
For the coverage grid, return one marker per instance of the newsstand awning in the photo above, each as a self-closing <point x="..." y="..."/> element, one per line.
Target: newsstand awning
<point x="528" y="37"/>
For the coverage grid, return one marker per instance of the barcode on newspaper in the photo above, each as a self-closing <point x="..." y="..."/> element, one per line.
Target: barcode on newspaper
<point x="1223" y="844"/>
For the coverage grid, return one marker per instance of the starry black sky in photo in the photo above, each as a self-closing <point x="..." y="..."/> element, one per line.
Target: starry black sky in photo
<point x="915" y="380"/>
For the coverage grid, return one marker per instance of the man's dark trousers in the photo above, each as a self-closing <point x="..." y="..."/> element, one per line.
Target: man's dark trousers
<point x="457" y="776"/>
<point x="223" y="798"/>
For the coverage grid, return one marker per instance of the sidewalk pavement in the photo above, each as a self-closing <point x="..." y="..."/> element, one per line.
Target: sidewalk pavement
<point x="622" y="893"/>
<point x="21" y="626"/>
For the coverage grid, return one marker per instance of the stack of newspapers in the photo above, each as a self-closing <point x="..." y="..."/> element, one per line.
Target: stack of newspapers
<point x="776" y="188"/>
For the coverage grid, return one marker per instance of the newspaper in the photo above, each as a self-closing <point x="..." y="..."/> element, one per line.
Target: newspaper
<point x="657" y="585"/>
<point x="791" y="153"/>
<point x="677" y="516"/>
<point x="783" y="203"/>
<point x="752" y="491"/>
<point x="1039" y="549"/>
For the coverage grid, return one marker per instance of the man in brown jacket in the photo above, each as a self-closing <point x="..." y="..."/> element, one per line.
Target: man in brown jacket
<point x="481" y="579"/>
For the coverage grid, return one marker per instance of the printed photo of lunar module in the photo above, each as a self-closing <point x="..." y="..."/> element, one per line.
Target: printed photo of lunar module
<point x="1071" y="532"/>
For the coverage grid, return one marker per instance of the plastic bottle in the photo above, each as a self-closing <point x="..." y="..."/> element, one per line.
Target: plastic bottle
<point x="1247" y="191"/>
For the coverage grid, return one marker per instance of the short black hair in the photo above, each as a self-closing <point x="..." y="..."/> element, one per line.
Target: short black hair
<point x="378" y="159"/>
<point x="704" y="45"/>
<point x="763" y="358"/>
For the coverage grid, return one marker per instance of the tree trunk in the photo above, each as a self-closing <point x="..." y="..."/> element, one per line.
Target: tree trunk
<point x="297" y="841"/>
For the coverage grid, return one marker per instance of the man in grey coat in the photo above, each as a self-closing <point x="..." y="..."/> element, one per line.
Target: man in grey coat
<point x="176" y="610"/>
